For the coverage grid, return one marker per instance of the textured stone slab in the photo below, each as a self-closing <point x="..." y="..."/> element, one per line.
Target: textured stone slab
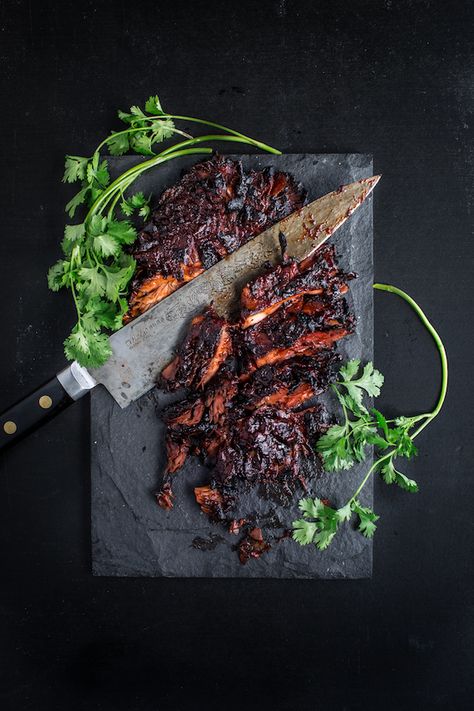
<point x="131" y="535"/>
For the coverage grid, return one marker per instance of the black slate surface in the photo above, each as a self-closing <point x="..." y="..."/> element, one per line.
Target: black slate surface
<point x="131" y="535"/>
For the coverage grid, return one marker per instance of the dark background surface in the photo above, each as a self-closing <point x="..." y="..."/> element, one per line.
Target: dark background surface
<point x="390" y="78"/>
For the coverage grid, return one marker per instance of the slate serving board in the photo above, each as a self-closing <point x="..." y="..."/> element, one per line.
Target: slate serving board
<point x="131" y="535"/>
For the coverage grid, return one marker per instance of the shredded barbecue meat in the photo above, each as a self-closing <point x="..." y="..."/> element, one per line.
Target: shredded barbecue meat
<point x="250" y="411"/>
<point x="213" y="210"/>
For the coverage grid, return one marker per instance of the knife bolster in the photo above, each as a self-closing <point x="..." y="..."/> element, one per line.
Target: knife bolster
<point x="76" y="380"/>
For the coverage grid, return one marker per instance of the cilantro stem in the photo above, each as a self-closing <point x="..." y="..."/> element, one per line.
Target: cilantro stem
<point x="211" y="137"/>
<point x="439" y="344"/>
<point x="258" y="144"/>
<point x="444" y="378"/>
<point x="366" y="478"/>
<point x="253" y="141"/>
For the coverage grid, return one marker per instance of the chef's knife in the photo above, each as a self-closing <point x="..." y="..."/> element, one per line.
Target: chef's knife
<point x="143" y="347"/>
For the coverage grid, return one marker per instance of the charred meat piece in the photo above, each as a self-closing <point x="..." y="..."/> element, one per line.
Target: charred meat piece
<point x="265" y="450"/>
<point x="165" y="496"/>
<point x="290" y="281"/>
<point x="290" y="383"/>
<point x="213" y="503"/>
<point x="313" y="324"/>
<point x="206" y="346"/>
<point x="236" y="524"/>
<point x="186" y="412"/>
<point x="252" y="545"/>
<point x="178" y="446"/>
<point x="214" y="209"/>
<point x="220" y="393"/>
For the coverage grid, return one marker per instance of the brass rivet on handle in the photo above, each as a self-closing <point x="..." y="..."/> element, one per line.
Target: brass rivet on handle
<point x="9" y="427"/>
<point x="45" y="402"/>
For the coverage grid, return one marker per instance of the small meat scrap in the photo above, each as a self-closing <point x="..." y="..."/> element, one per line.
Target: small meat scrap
<point x="252" y="545"/>
<point x="164" y="497"/>
<point x="212" y="502"/>
<point x="207" y="544"/>
<point x="236" y="525"/>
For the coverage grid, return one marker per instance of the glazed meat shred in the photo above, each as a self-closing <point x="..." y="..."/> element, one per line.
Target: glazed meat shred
<point x="213" y="210"/>
<point x="250" y="412"/>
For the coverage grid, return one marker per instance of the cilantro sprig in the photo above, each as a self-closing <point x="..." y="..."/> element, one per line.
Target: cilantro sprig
<point x="346" y="444"/>
<point x="96" y="266"/>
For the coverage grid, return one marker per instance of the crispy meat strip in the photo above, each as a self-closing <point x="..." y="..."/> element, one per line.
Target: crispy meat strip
<point x="289" y="282"/>
<point x="205" y="348"/>
<point x="300" y="328"/>
<point x="290" y="383"/>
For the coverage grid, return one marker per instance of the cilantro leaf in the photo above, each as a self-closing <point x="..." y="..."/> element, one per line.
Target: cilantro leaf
<point x="89" y="348"/>
<point x="74" y="233"/>
<point x="324" y="537"/>
<point x="390" y="475"/>
<point x="74" y="169"/>
<point x="381" y="421"/>
<point x="350" y="369"/>
<point x="118" y="144"/>
<point x="122" y="231"/>
<point x="125" y="117"/>
<point x="345" y="512"/>
<point x="310" y="507"/>
<point x="57" y="275"/>
<point x="405" y="483"/>
<point x="139" y="202"/>
<point x="78" y="199"/>
<point x="161" y="130"/>
<point x="387" y="470"/>
<point x="322" y="529"/>
<point x="99" y="313"/>
<point x="153" y="105"/>
<point x="98" y="175"/>
<point x="126" y="208"/>
<point x="140" y="142"/>
<point x="304" y="531"/>
<point x="97" y="225"/>
<point x="369" y="382"/>
<point x="334" y="448"/>
<point x="95" y="282"/>
<point x="106" y="245"/>
<point x="116" y="280"/>
<point x="367" y="519"/>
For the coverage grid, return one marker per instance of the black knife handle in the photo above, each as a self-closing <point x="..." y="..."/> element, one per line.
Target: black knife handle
<point x="31" y="412"/>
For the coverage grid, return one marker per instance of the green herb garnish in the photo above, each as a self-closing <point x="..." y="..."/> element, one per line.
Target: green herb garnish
<point x="95" y="265"/>
<point x="345" y="444"/>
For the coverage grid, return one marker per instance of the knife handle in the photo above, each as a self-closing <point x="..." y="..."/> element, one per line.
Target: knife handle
<point x="31" y="412"/>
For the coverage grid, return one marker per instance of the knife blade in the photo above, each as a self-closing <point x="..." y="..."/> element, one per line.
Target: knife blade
<point x="144" y="346"/>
